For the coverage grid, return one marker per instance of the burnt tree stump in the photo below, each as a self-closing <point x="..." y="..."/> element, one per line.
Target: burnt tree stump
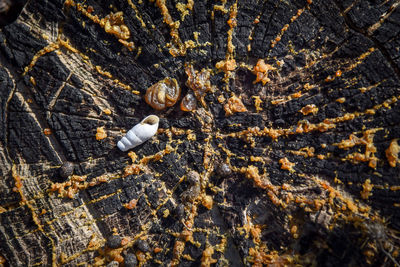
<point x="290" y="157"/>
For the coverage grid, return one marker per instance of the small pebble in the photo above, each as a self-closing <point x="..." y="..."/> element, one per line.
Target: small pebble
<point x="130" y="260"/>
<point x="142" y="245"/>
<point x="180" y="211"/>
<point x="279" y="123"/>
<point x="114" y="241"/>
<point x="113" y="264"/>
<point x="66" y="170"/>
<point x="224" y="170"/>
<point x="193" y="178"/>
<point x="191" y="194"/>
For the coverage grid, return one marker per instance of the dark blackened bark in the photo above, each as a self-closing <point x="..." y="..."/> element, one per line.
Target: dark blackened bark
<point x="308" y="174"/>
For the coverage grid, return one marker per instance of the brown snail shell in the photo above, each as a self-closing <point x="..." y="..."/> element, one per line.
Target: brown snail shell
<point x="163" y="94"/>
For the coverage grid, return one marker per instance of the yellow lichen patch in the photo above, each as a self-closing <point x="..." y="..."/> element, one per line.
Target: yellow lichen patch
<point x="133" y="156"/>
<point x="234" y="105"/>
<point x="309" y="109"/>
<point x="112" y="24"/>
<point x="229" y="63"/>
<point x="207" y="201"/>
<point x="368" y="141"/>
<point x="392" y="153"/>
<point x="184" y="8"/>
<point x="206" y="258"/>
<point x="341" y="100"/>
<point x="226" y="65"/>
<point x="261" y="256"/>
<point x="285" y="28"/>
<point x="367" y="188"/>
<point x="159" y="155"/>
<point x="101" y="133"/>
<point x="232" y="24"/>
<point x="116" y="81"/>
<point x="346" y="205"/>
<point x="251" y="172"/>
<point x="30" y="204"/>
<point x="185" y="236"/>
<point x="178" y="48"/>
<point x="132" y="169"/>
<point x="261" y="71"/>
<point x="131" y="204"/>
<point x="137" y="13"/>
<point x="286" y="164"/>
<point x="294" y="231"/>
<point x="107" y="111"/>
<point x="257" y="103"/>
<point x="296" y="95"/>
<point x="47" y="49"/>
<point x="2" y="260"/>
<point x="305" y="152"/>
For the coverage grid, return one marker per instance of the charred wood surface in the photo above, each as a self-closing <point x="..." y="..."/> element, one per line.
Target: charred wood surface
<point x="289" y="155"/>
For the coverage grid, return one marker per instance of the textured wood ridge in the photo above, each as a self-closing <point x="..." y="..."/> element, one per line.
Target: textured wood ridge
<point x="290" y="157"/>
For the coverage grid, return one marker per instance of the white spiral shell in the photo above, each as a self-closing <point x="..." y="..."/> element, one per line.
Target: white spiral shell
<point x="140" y="133"/>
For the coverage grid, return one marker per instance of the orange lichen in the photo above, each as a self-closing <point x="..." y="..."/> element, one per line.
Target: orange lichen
<point x="293" y="231"/>
<point x="261" y="256"/>
<point x="18" y="188"/>
<point x="368" y="141"/>
<point x="177" y="251"/>
<point x="341" y="100"/>
<point x="178" y="48"/>
<point x="286" y="164"/>
<point x="101" y="134"/>
<point x="261" y="70"/>
<point x="232" y="22"/>
<point x="296" y="95"/>
<point x="184" y="8"/>
<point x="132" y="169"/>
<point x="234" y="105"/>
<point x="252" y="173"/>
<point x="305" y="152"/>
<point x="141" y="257"/>
<point x="206" y="258"/>
<point x="107" y="74"/>
<point x="226" y="65"/>
<point x="330" y="78"/>
<point x="107" y="111"/>
<point x="311" y="108"/>
<point x="76" y="183"/>
<point x="285" y="28"/>
<point x="159" y="155"/>
<point x="112" y="24"/>
<point x="257" y="103"/>
<point x="207" y="202"/>
<point x="392" y="153"/>
<point x="131" y="204"/>
<point x="18" y="184"/>
<point x="367" y="188"/>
